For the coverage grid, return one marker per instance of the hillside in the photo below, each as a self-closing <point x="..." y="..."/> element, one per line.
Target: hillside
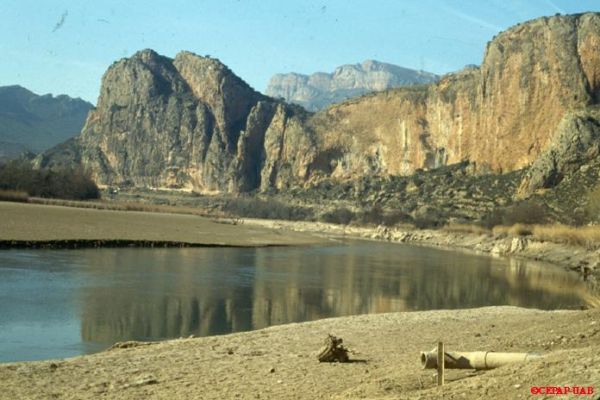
<point x="29" y="122"/>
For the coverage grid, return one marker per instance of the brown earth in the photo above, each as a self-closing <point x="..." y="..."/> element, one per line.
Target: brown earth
<point x="31" y="223"/>
<point x="280" y="362"/>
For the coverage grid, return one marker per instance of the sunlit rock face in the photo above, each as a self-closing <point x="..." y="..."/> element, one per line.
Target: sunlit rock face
<point x="501" y="115"/>
<point x="319" y="90"/>
<point x="191" y="123"/>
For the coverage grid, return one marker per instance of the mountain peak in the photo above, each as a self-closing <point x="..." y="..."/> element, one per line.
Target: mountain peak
<point x="350" y="80"/>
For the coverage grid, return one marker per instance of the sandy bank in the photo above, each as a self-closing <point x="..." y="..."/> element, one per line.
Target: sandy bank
<point x="30" y="225"/>
<point x="279" y="362"/>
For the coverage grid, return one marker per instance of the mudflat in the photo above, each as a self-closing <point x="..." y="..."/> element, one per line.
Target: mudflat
<point x="23" y="222"/>
<point x="280" y="362"/>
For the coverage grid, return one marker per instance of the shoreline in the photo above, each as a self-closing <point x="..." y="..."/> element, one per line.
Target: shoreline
<point x="584" y="261"/>
<point x="114" y="228"/>
<point x="27" y="225"/>
<point x="280" y="362"/>
<point x="116" y="243"/>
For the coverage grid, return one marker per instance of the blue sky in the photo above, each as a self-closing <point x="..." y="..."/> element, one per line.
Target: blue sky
<point x="64" y="46"/>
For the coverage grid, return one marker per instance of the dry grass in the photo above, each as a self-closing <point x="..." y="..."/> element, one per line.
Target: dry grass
<point x="14" y="195"/>
<point x="466" y="228"/>
<point x="585" y="236"/>
<point x="126" y="206"/>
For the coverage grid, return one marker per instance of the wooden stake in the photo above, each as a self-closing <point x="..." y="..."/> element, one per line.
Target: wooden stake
<point x="440" y="364"/>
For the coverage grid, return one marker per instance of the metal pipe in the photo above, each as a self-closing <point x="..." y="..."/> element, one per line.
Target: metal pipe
<point x="474" y="359"/>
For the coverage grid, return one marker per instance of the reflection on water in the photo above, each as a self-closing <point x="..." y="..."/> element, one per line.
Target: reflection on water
<point x="62" y="303"/>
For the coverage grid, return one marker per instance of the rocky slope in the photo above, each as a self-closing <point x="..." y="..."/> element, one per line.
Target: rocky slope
<point x="29" y="122"/>
<point x="315" y="92"/>
<point x="190" y="122"/>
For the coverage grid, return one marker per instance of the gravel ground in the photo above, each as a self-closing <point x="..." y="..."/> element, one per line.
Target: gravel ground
<point x="280" y="362"/>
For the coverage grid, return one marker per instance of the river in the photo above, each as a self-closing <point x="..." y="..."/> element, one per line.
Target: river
<point x="62" y="303"/>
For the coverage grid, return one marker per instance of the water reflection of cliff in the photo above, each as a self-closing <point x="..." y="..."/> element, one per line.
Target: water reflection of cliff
<point x="153" y="294"/>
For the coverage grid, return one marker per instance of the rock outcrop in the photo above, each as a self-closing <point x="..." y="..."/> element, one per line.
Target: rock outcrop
<point x="500" y="116"/>
<point x="190" y="122"/>
<point x="29" y="122"/>
<point x="317" y="91"/>
<point x="576" y="143"/>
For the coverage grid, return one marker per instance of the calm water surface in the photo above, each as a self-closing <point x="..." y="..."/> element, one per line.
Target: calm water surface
<point x="56" y="303"/>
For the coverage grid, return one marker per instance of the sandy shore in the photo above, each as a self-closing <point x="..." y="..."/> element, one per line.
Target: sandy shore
<point x="28" y="224"/>
<point x="280" y="363"/>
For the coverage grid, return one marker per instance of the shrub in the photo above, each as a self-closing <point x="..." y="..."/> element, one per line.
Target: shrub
<point x="492" y="219"/>
<point x="396" y="217"/>
<point x="466" y="228"/>
<point x="592" y="208"/>
<point x="526" y="212"/>
<point x="63" y="183"/>
<point x="426" y="222"/>
<point x="371" y="216"/>
<point x="253" y="207"/>
<point x="341" y="215"/>
<point x="13" y="195"/>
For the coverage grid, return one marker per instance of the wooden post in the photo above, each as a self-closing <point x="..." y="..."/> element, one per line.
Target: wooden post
<point x="440" y="364"/>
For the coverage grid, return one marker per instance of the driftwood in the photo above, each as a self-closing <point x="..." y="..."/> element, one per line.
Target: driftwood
<point x="333" y="351"/>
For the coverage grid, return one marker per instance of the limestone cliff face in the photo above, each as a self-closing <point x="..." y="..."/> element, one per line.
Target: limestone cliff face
<point x="188" y="122"/>
<point x="501" y="115"/>
<point x="576" y="143"/>
<point x="316" y="91"/>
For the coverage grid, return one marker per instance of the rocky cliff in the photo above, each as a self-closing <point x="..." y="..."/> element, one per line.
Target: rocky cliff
<point x="315" y="92"/>
<point x="190" y="122"/>
<point x="29" y="122"/>
<point x="187" y="122"/>
<point x="500" y="116"/>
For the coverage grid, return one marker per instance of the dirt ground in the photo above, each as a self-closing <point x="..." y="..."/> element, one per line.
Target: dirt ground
<point x="280" y="362"/>
<point x="31" y="222"/>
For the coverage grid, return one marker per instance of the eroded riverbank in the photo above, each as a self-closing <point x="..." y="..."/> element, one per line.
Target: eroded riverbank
<point x="576" y="258"/>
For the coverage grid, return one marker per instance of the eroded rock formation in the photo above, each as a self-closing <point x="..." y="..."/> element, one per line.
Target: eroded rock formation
<point x="190" y="122"/>
<point x="500" y="116"/>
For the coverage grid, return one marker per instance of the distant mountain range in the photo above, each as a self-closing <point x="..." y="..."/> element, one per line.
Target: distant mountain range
<point x="321" y="89"/>
<point x="33" y="123"/>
